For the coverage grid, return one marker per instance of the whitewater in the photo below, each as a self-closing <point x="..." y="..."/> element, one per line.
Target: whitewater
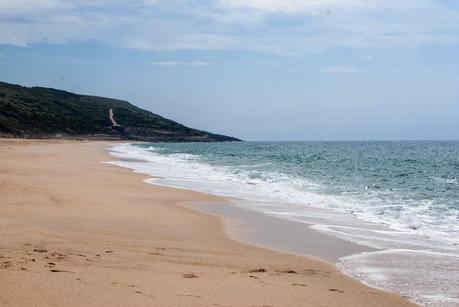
<point x="400" y="198"/>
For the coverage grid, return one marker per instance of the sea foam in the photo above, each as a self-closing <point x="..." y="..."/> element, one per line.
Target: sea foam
<point x="418" y="254"/>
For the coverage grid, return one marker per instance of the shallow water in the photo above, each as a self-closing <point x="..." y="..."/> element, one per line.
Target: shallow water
<point x="399" y="197"/>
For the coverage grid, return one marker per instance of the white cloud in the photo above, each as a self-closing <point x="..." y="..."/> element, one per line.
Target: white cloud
<point x="340" y="69"/>
<point x="165" y="63"/>
<point x="24" y="6"/>
<point x="269" y="26"/>
<point x="197" y="63"/>
<point x="175" y="63"/>
<point x="298" y="6"/>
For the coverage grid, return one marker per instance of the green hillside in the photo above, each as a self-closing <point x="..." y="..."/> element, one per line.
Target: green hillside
<point x="37" y="112"/>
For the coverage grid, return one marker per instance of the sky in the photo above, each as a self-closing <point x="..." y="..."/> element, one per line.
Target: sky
<point x="257" y="70"/>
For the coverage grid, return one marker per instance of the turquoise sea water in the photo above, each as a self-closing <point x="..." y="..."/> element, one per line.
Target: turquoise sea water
<point x="404" y="197"/>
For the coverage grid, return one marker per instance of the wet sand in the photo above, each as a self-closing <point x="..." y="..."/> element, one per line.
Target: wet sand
<point x="279" y="234"/>
<point x="78" y="232"/>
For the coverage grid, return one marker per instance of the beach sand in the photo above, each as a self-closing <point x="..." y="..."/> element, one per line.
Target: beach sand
<point x="78" y="232"/>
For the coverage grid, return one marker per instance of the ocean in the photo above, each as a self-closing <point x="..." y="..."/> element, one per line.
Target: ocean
<point x="398" y="197"/>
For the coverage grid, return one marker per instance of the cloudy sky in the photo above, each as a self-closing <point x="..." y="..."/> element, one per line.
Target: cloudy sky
<point x="259" y="70"/>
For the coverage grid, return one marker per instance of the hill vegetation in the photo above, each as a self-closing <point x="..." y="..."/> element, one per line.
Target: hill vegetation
<point x="37" y="112"/>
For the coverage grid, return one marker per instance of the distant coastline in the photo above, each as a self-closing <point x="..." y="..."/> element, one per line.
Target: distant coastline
<point x="42" y="113"/>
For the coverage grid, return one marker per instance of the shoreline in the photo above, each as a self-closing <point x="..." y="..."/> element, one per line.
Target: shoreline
<point x="239" y="225"/>
<point x="114" y="240"/>
<point x="285" y="236"/>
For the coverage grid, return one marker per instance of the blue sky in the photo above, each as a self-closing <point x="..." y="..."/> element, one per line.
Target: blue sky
<point x="259" y="70"/>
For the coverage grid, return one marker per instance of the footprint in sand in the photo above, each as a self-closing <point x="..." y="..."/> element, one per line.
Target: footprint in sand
<point x="290" y="272"/>
<point x="5" y="265"/>
<point x="59" y="271"/>
<point x="335" y="290"/>
<point x="257" y="271"/>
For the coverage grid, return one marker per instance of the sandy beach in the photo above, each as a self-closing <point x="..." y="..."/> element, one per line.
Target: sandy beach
<point x="79" y="232"/>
